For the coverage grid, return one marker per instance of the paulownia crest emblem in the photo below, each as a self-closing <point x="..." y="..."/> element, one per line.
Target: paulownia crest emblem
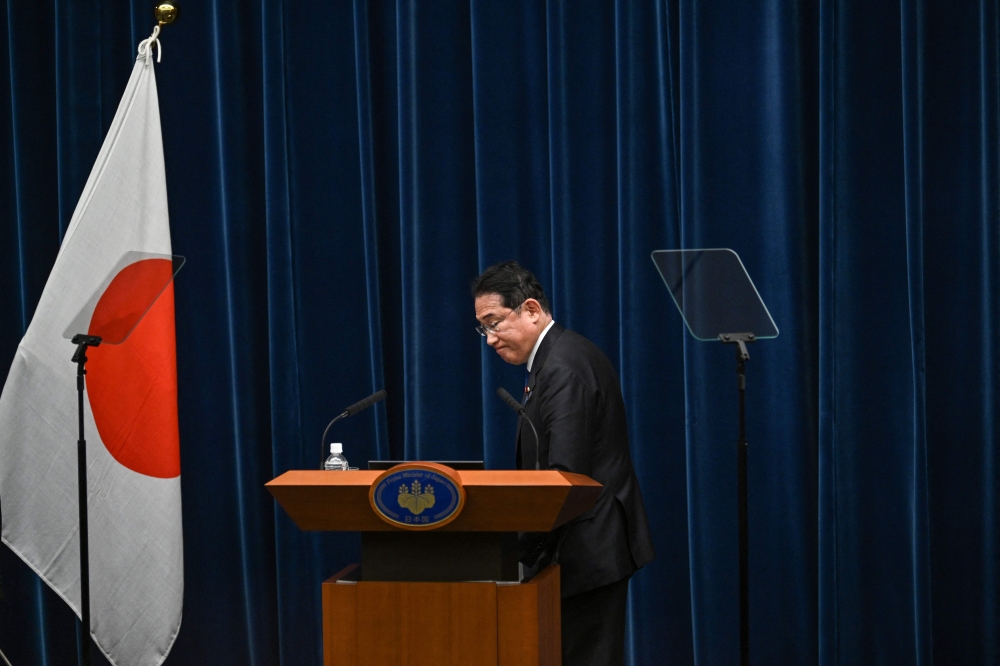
<point x="416" y="498"/>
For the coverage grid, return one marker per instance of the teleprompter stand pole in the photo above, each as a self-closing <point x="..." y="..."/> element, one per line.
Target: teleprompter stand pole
<point x="80" y="358"/>
<point x="742" y="356"/>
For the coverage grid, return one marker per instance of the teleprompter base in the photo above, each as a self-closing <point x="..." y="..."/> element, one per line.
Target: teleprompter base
<point x="369" y="623"/>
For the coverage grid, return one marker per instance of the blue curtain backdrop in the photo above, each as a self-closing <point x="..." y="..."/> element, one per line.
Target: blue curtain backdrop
<point x="339" y="171"/>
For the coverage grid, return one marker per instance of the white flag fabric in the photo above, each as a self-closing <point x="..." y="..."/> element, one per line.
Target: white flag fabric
<point x="133" y="449"/>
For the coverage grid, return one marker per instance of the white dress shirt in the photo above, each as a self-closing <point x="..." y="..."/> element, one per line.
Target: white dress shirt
<point x="538" y="342"/>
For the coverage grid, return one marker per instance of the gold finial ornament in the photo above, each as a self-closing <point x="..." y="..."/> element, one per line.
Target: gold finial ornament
<point x="166" y="13"/>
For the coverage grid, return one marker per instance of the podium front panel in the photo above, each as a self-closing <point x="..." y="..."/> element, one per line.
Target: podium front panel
<point x="377" y="623"/>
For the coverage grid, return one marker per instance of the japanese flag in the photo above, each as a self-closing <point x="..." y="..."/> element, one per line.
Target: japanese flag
<point x="133" y="452"/>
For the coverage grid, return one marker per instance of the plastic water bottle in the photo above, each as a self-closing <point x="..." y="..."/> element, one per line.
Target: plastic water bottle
<point x="336" y="461"/>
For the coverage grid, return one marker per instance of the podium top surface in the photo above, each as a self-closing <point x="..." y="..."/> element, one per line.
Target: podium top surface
<point x="496" y="500"/>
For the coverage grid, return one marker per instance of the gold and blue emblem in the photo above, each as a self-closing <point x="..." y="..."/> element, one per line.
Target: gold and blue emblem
<point x="418" y="495"/>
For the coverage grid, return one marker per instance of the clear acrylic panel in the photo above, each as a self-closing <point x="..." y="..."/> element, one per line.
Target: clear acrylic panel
<point x="125" y="296"/>
<point x="714" y="293"/>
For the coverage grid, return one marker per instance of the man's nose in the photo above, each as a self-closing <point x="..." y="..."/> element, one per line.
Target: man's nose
<point x="491" y="338"/>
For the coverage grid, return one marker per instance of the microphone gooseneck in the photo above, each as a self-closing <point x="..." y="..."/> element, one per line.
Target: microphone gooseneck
<point x="359" y="406"/>
<point x="518" y="409"/>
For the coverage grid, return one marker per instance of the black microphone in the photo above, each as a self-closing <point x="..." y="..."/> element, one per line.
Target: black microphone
<point x="519" y="410"/>
<point x="362" y="405"/>
<point x="359" y="406"/>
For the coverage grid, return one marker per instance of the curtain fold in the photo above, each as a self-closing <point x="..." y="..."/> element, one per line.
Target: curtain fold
<point x="370" y="217"/>
<point x="289" y="447"/>
<point x="913" y="75"/>
<point x="339" y="173"/>
<point x="907" y="216"/>
<point x="512" y="171"/>
<point x="437" y="221"/>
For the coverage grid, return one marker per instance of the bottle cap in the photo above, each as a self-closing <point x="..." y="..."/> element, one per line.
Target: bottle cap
<point x="336" y="448"/>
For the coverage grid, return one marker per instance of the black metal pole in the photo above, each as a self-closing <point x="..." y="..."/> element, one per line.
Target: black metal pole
<point x="80" y="358"/>
<point x="741" y="463"/>
<point x="742" y="356"/>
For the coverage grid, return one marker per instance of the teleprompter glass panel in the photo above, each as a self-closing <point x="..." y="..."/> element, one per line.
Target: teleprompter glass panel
<point x="714" y="293"/>
<point x="125" y="296"/>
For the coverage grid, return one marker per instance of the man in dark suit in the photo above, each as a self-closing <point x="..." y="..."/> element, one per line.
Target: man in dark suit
<point x="573" y="397"/>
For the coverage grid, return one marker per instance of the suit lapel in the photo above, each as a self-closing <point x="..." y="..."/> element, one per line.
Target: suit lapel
<point x="543" y="351"/>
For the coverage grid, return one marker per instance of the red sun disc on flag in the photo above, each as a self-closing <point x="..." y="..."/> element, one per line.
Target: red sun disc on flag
<point x="132" y="386"/>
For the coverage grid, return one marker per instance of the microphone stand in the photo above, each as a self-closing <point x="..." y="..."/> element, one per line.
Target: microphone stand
<point x="322" y="444"/>
<point x="519" y="409"/>
<point x="80" y="358"/>
<point x="359" y="406"/>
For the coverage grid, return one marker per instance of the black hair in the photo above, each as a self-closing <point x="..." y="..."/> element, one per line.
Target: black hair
<point x="513" y="283"/>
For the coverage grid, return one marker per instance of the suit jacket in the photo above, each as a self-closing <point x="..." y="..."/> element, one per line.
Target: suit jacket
<point x="575" y="401"/>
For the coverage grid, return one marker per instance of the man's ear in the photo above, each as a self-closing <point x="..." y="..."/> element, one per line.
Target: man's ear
<point x="532" y="307"/>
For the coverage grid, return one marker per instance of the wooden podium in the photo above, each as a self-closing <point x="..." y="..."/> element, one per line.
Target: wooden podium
<point x="444" y="595"/>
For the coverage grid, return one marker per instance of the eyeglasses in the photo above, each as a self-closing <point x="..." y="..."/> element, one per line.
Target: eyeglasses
<point x="494" y="326"/>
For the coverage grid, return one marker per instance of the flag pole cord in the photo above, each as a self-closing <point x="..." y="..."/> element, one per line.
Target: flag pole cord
<point x="80" y="358"/>
<point x="146" y="45"/>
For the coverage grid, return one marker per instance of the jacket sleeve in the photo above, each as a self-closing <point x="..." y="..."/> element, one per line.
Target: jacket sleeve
<point x="568" y="414"/>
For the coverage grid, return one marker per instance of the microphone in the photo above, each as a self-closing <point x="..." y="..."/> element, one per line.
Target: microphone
<point x="362" y="405"/>
<point x="518" y="409"/>
<point x="359" y="406"/>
